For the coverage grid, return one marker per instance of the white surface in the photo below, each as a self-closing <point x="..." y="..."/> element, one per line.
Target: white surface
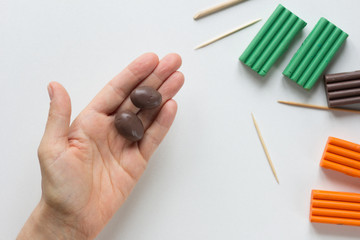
<point x="210" y="178"/>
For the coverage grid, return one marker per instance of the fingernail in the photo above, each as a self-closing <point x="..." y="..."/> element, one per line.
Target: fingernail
<point x="50" y="91"/>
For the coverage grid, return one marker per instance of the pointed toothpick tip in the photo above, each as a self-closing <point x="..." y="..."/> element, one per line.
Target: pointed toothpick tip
<point x="215" y="39"/>
<point x="196" y="16"/>
<point x="216" y="8"/>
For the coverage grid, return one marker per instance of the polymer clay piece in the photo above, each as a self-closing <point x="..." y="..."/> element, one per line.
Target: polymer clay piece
<point x="341" y="156"/>
<point x="129" y="125"/>
<point x="342" y="88"/>
<point x="315" y="53"/>
<point x="335" y="207"/>
<point x="145" y="97"/>
<point x="272" y="40"/>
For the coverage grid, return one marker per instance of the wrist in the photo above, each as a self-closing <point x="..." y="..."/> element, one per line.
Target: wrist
<point x="43" y="223"/>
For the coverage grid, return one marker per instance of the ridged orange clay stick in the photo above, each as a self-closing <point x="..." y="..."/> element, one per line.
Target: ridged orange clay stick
<point x="340" y="168"/>
<point x="339" y="221"/>
<point x="343" y="152"/>
<point x="335" y="207"/>
<point x="336" y="196"/>
<point x="341" y="160"/>
<point x="345" y="144"/>
<point x="336" y="213"/>
<point x="342" y="156"/>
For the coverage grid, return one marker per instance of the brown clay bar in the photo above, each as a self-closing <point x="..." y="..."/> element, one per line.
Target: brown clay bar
<point x="129" y="125"/>
<point x="342" y="88"/>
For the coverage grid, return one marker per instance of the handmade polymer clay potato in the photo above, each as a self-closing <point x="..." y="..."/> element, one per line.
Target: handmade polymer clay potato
<point x="127" y="123"/>
<point x="146" y="97"/>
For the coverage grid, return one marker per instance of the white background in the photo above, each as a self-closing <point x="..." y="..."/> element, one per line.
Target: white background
<point x="210" y="178"/>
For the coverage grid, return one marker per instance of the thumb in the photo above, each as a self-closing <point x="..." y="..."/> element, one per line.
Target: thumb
<point x="57" y="126"/>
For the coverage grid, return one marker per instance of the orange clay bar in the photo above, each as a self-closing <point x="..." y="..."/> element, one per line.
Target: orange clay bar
<point x="342" y="156"/>
<point x="335" y="207"/>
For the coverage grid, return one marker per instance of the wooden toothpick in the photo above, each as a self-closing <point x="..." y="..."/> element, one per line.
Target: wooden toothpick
<point x="264" y="147"/>
<point x="216" y="8"/>
<point x="227" y="34"/>
<point x="318" y="107"/>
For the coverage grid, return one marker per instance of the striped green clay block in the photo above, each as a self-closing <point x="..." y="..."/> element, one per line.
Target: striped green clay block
<point x="315" y="53"/>
<point x="272" y="40"/>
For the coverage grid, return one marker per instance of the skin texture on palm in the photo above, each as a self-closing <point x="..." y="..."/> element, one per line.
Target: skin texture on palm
<point x="88" y="169"/>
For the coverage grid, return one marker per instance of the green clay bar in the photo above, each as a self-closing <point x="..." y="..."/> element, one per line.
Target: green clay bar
<point x="315" y="54"/>
<point x="272" y="40"/>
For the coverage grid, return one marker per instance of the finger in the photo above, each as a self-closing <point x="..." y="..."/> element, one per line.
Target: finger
<point x="57" y="126"/>
<point x="158" y="129"/>
<point x="167" y="66"/>
<point x="168" y="90"/>
<point x="118" y="89"/>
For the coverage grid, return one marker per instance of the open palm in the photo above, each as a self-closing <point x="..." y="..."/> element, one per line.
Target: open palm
<point x="88" y="169"/>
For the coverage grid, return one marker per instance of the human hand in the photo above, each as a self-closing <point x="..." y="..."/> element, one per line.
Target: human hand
<point x="88" y="169"/>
